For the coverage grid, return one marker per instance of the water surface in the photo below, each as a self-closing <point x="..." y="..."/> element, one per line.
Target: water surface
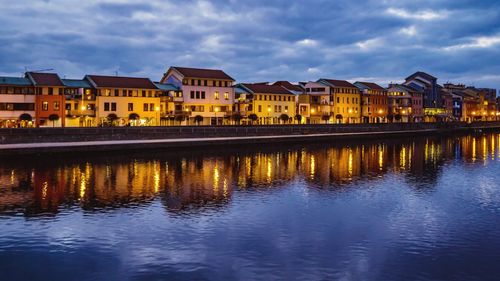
<point x="402" y="209"/>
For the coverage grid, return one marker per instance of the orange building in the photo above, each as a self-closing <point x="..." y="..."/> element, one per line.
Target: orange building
<point x="373" y="102"/>
<point x="50" y="100"/>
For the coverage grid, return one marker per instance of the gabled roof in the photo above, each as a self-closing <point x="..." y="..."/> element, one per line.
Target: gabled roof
<point x="289" y="86"/>
<point x="166" y="87"/>
<point x="76" y="83"/>
<point x="99" y="81"/>
<point x="369" y="85"/>
<point x="422" y="74"/>
<point x="45" y="79"/>
<point x="338" y="83"/>
<point x="15" y="81"/>
<point x="202" y="73"/>
<point x="266" y="89"/>
<point x="403" y="88"/>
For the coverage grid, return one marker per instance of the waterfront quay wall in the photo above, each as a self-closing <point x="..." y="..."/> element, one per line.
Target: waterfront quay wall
<point x="38" y="140"/>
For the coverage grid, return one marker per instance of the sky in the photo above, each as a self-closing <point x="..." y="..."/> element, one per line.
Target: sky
<point x="255" y="41"/>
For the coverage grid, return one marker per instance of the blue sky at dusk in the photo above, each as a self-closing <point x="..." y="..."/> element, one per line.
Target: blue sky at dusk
<point x="381" y="41"/>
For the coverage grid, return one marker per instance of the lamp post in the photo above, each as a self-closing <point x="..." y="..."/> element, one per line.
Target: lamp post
<point x="216" y="121"/>
<point x="83" y="115"/>
<point x="268" y="115"/>
<point x="157" y="110"/>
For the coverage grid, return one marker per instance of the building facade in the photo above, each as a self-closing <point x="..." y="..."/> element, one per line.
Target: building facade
<point x="208" y="94"/>
<point x="50" y="99"/>
<point x="373" y="102"/>
<point x="17" y="102"/>
<point x="346" y="102"/>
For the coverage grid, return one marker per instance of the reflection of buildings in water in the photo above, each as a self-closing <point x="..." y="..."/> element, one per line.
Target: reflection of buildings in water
<point x="210" y="180"/>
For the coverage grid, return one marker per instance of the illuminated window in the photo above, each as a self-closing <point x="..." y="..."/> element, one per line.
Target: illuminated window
<point x="216" y="95"/>
<point x="130" y="107"/>
<point x="226" y="95"/>
<point x="56" y="105"/>
<point x="45" y="106"/>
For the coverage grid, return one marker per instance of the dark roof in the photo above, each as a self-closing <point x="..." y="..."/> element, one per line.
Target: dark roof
<point x="423" y="74"/>
<point x="121" y="82"/>
<point x="15" y="81"/>
<point x="76" y="83"/>
<point x="371" y="86"/>
<point x="267" y="89"/>
<point x="203" y="73"/>
<point x="289" y="86"/>
<point x="338" y="83"/>
<point x="45" y="79"/>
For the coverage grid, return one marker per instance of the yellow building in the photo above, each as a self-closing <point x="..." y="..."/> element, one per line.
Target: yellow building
<point x="272" y="104"/>
<point x="346" y="100"/>
<point x="208" y="94"/>
<point x="125" y="101"/>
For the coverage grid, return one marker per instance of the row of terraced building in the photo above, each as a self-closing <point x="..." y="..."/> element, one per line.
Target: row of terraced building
<point x="188" y="96"/>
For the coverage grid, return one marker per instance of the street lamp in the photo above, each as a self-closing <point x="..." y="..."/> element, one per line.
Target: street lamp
<point x="83" y="115"/>
<point x="216" y="121"/>
<point x="268" y="114"/>
<point x="157" y="109"/>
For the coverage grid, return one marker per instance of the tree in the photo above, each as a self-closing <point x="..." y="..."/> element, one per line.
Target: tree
<point x="253" y="117"/>
<point x="284" y="118"/>
<point x="298" y="117"/>
<point x="180" y="118"/>
<point x="53" y="118"/>
<point x="198" y="119"/>
<point x="112" y="118"/>
<point x="339" y="118"/>
<point x="236" y="117"/>
<point x="397" y="117"/>
<point x="390" y="117"/>
<point x="325" y="118"/>
<point x="25" y="117"/>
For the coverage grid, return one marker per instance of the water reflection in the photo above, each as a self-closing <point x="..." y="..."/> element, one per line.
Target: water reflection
<point x="200" y="178"/>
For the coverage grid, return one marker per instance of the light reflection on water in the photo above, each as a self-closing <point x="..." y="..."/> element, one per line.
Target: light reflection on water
<point x="423" y="208"/>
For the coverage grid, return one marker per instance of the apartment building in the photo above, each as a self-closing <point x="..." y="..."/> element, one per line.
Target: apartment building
<point x="125" y="101"/>
<point x="373" y="102"/>
<point x="346" y="100"/>
<point x="272" y="104"/>
<point x="208" y="94"/>
<point x="49" y="99"/>
<point x="17" y="102"/>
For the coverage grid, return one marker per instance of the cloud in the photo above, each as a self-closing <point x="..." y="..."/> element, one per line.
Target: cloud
<point x="425" y="15"/>
<point x="479" y="42"/>
<point x="254" y="40"/>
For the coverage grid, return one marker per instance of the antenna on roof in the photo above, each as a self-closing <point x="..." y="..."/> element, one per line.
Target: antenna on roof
<point x="42" y="70"/>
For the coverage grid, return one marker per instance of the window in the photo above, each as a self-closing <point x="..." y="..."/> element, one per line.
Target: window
<point x="203" y="94"/>
<point x="216" y="95"/>
<point x="199" y="82"/>
<point x="124" y="93"/>
<point x="106" y="106"/>
<point x="260" y="108"/>
<point x="45" y="106"/>
<point x="192" y="95"/>
<point x="143" y="94"/>
<point x="198" y="94"/>
<point x="117" y="92"/>
<point x="150" y="94"/>
<point x="50" y="91"/>
<point x="146" y="107"/>
<point x="151" y="107"/>
<point x="205" y="83"/>
<point x="56" y="105"/>
<point x="113" y="106"/>
<point x="130" y="106"/>
<point x="226" y="95"/>
<point x="68" y="106"/>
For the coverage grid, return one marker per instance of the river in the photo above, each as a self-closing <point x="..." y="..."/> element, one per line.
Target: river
<point x="425" y="208"/>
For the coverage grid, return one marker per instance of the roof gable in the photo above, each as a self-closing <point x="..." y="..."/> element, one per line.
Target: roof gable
<point x="45" y="79"/>
<point x="289" y="86"/>
<point x="370" y="85"/>
<point x="338" y="83"/>
<point x="202" y="73"/>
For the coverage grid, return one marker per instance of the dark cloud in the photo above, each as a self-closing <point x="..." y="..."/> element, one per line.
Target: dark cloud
<point x="262" y="40"/>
